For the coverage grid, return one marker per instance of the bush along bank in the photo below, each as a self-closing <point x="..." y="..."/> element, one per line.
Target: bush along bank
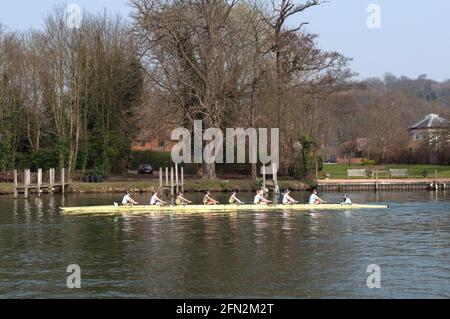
<point x="194" y="186"/>
<point x="191" y="186"/>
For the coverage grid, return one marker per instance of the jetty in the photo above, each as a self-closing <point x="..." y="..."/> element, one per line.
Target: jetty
<point x="35" y="182"/>
<point x="409" y="184"/>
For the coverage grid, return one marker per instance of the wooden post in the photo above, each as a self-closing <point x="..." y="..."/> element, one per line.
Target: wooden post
<point x="16" y="194"/>
<point x="436" y="186"/>
<point x="182" y="179"/>
<point x="51" y="180"/>
<point x="171" y="182"/>
<point x="376" y="181"/>
<point x="161" y="178"/>
<point x="167" y="177"/>
<point x="275" y="178"/>
<point x="27" y="179"/>
<point x="176" y="178"/>
<point x="39" y="181"/>
<point x="264" y="177"/>
<point x="63" y="180"/>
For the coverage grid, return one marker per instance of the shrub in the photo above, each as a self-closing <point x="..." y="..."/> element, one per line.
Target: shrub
<point x="306" y="164"/>
<point x="311" y="184"/>
<point x="164" y="159"/>
<point x="368" y="162"/>
<point x="224" y="184"/>
<point x="45" y="159"/>
<point x="258" y="183"/>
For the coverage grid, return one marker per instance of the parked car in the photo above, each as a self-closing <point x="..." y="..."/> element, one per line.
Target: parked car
<point x="145" y="169"/>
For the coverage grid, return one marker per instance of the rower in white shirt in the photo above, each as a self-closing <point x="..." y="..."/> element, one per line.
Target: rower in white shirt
<point x="315" y="200"/>
<point x="127" y="200"/>
<point x="259" y="198"/>
<point x="347" y="201"/>
<point x="287" y="199"/>
<point x="155" y="201"/>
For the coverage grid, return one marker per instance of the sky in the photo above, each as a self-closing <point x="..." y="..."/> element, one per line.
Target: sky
<point x="402" y="37"/>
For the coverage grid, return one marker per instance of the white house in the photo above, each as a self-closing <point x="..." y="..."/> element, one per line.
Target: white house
<point x="433" y="129"/>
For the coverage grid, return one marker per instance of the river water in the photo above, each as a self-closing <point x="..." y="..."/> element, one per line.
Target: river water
<point x="228" y="255"/>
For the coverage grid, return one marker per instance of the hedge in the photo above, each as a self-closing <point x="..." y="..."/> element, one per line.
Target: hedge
<point x="156" y="159"/>
<point x="164" y="159"/>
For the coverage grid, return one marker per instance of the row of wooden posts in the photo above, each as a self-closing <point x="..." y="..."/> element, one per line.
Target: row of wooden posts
<point x="39" y="186"/>
<point x="176" y="179"/>
<point x="177" y="184"/>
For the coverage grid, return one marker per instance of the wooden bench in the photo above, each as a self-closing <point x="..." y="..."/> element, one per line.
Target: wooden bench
<point x="402" y="173"/>
<point x="356" y="173"/>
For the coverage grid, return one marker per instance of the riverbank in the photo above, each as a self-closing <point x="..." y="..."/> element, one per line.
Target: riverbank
<point x="416" y="184"/>
<point x="416" y="171"/>
<point x="247" y="185"/>
<point x="190" y="186"/>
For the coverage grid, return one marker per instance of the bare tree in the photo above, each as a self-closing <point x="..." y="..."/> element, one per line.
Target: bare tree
<point x="190" y="52"/>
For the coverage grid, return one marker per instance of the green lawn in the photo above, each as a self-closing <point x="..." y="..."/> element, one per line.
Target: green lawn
<point x="414" y="171"/>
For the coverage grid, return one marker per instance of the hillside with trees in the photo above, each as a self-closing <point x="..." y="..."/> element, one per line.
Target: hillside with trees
<point x="382" y="110"/>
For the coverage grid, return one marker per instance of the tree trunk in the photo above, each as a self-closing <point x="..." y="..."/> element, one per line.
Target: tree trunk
<point x="209" y="171"/>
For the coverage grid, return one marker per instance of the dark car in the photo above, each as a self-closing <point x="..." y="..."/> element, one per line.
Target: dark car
<point x="146" y="169"/>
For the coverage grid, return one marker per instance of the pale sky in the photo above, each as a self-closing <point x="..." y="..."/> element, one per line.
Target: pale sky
<point x="413" y="38"/>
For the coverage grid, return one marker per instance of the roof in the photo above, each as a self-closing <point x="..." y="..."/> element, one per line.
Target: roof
<point x="362" y="144"/>
<point x="431" y="121"/>
<point x="358" y="145"/>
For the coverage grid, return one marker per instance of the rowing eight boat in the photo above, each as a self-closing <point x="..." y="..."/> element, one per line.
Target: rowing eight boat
<point x="205" y="208"/>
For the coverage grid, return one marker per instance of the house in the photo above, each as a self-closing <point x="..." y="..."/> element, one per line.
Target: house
<point x="430" y="139"/>
<point x="348" y="153"/>
<point x="433" y="130"/>
<point x="353" y="152"/>
<point x="153" y="145"/>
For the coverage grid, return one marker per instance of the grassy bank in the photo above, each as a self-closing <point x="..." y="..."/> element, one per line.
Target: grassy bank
<point x="243" y="185"/>
<point x="191" y="186"/>
<point x="414" y="171"/>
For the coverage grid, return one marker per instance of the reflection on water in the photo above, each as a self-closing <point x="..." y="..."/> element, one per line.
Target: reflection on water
<point x="240" y="254"/>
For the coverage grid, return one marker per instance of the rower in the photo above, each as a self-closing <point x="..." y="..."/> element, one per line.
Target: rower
<point x="180" y="200"/>
<point x="315" y="200"/>
<point x="128" y="201"/>
<point x="259" y="198"/>
<point x="347" y="200"/>
<point x="234" y="200"/>
<point x="207" y="200"/>
<point x="155" y="201"/>
<point x="287" y="199"/>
